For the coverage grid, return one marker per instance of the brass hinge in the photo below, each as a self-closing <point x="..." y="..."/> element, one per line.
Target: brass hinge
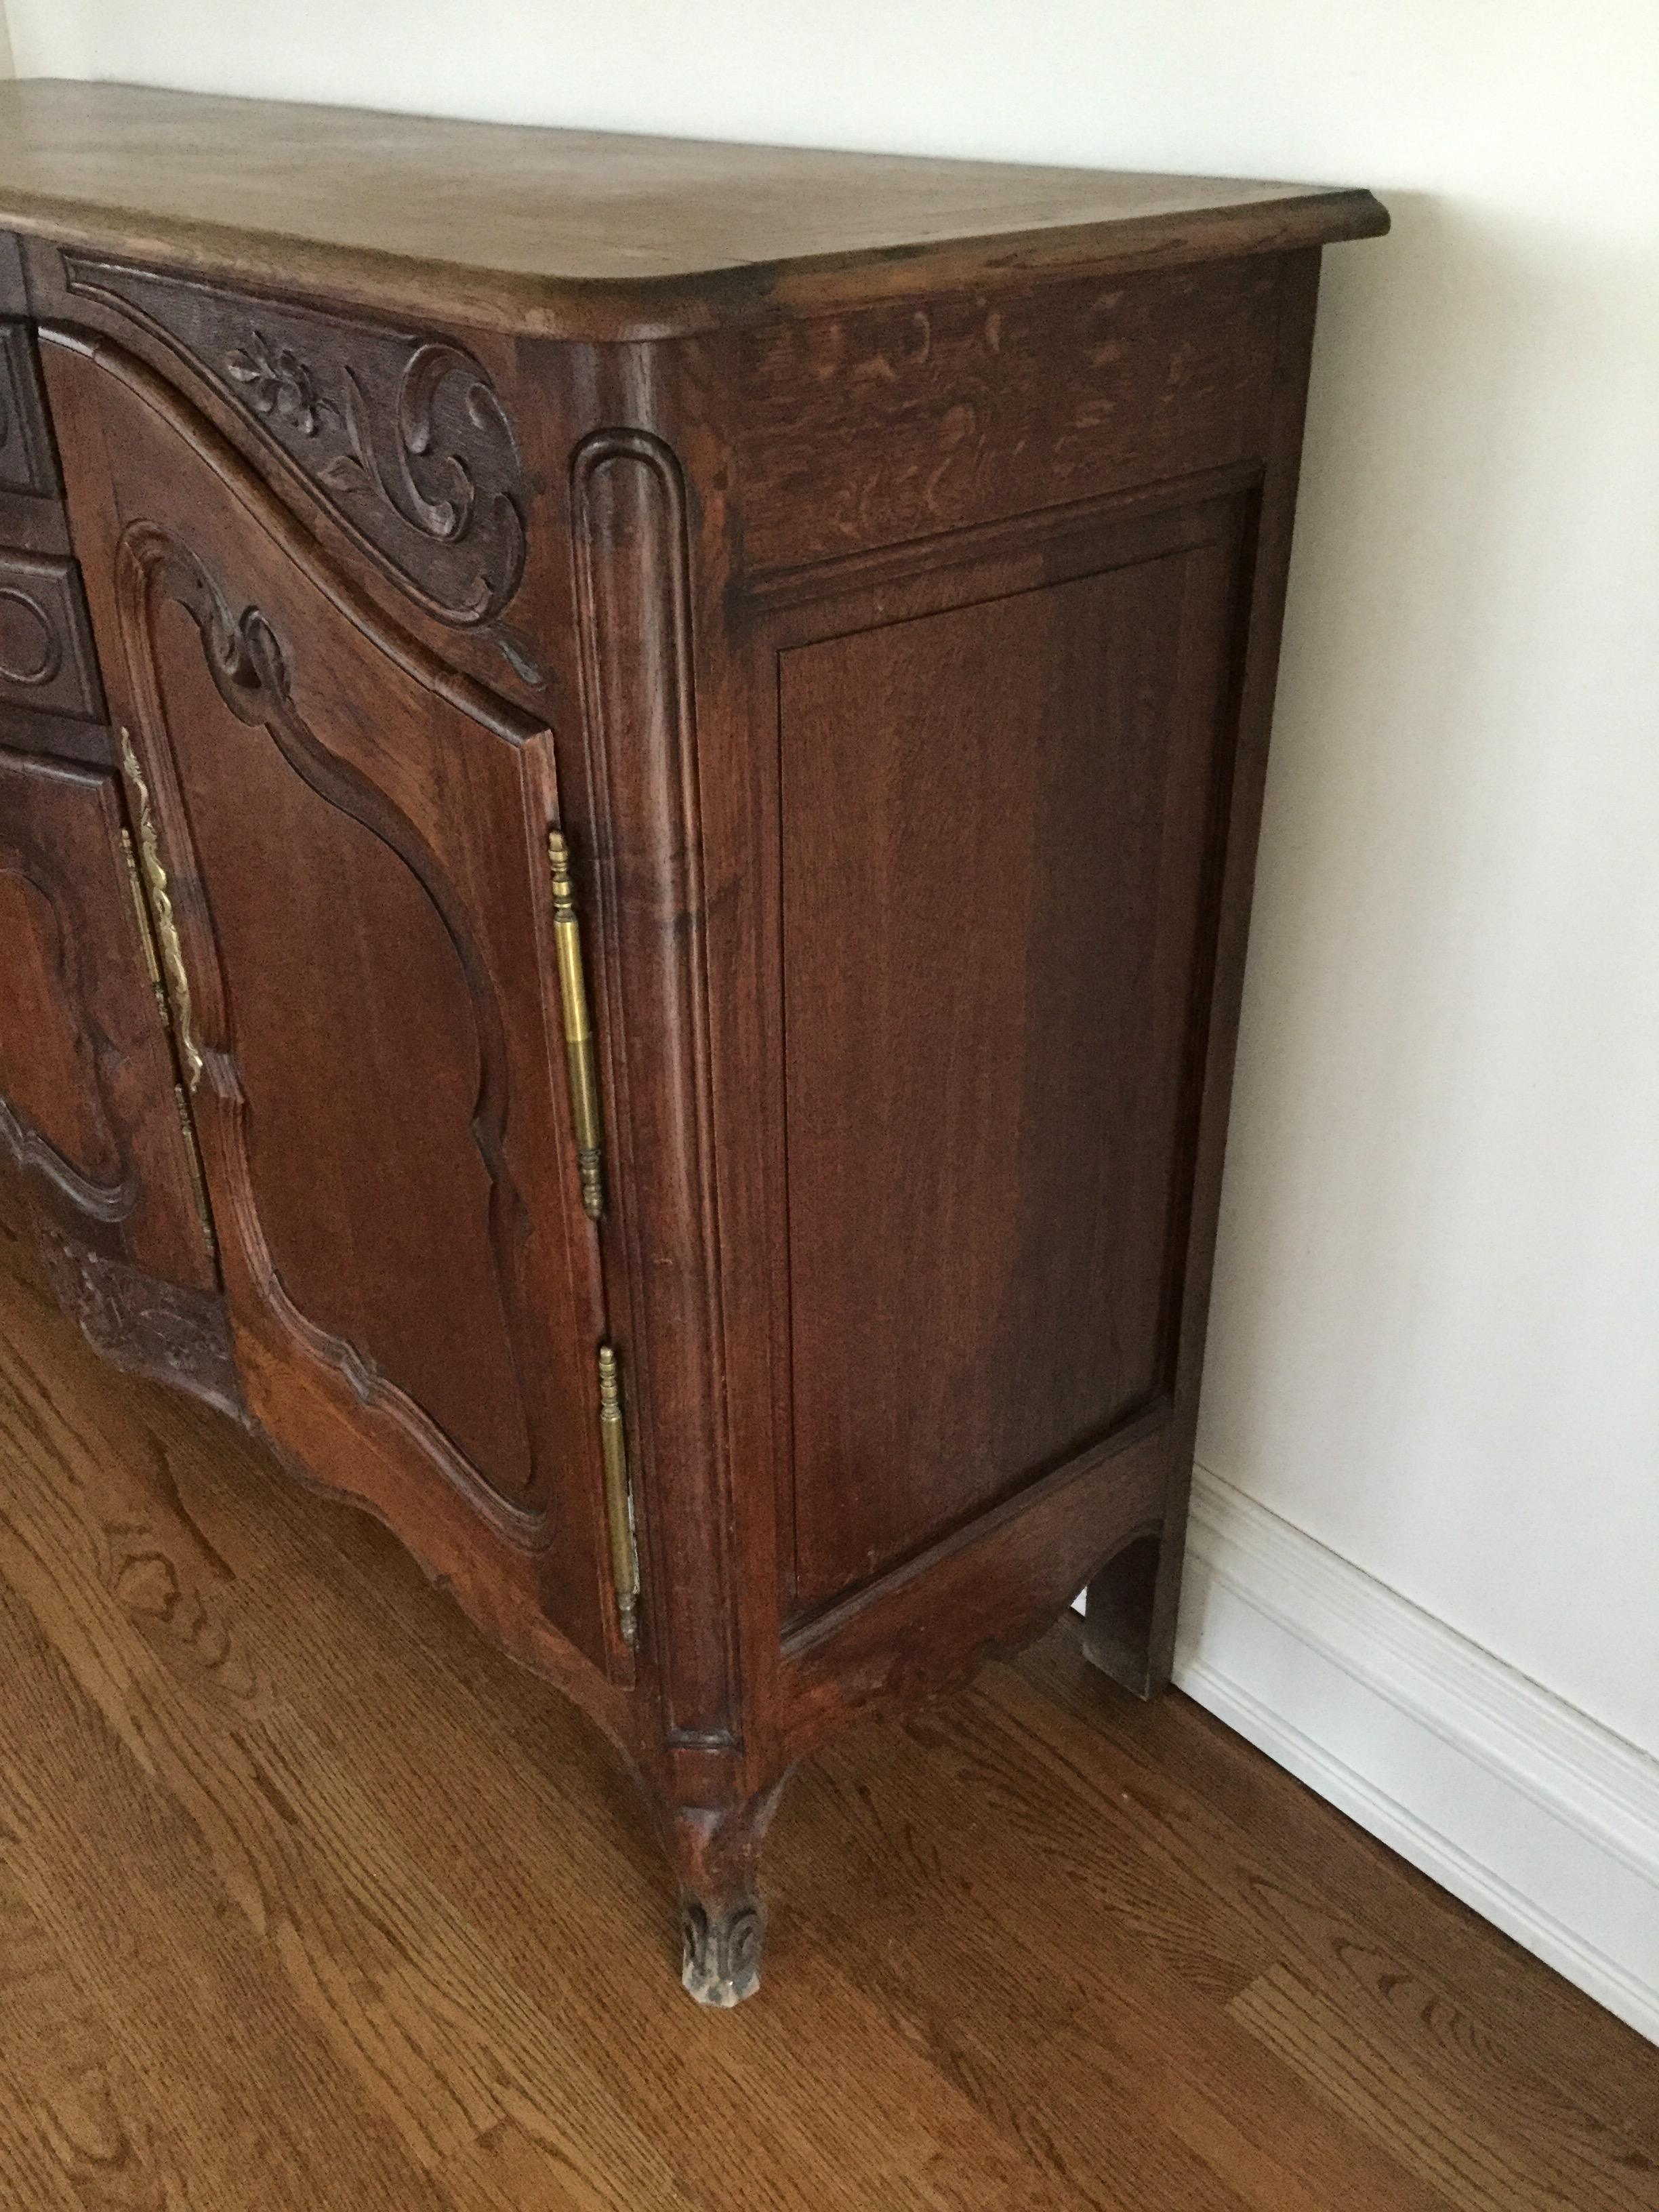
<point x="578" y="1031"/>
<point x="618" y="1499"/>
<point x="153" y="968"/>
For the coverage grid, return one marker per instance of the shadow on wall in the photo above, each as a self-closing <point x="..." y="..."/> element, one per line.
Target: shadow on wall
<point x="1370" y="793"/>
<point x="1415" y="1232"/>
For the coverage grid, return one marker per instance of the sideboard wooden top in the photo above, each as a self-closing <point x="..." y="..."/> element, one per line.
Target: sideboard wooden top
<point x="587" y="235"/>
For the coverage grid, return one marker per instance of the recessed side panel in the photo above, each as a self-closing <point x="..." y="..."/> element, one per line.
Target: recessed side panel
<point x="996" y="817"/>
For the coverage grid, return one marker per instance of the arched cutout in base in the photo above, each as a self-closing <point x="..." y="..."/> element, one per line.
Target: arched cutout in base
<point x="1124" y="1632"/>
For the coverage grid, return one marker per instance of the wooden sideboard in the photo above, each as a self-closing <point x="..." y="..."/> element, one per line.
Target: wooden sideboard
<point x="628" y="780"/>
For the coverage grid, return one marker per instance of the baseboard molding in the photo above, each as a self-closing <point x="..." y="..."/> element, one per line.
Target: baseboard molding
<point x="1545" y="1822"/>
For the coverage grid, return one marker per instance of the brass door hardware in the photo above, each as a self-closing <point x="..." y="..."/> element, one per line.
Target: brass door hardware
<point x="159" y="901"/>
<point x="618" y="1499"/>
<point x="153" y="968"/>
<point x="578" y="1031"/>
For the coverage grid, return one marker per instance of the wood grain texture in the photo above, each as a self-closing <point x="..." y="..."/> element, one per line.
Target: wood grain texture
<point x="994" y="962"/>
<point x="896" y="422"/>
<point x="381" y="902"/>
<point x="47" y="663"/>
<point x="632" y="561"/>
<point x="28" y="464"/>
<point x="371" y="1921"/>
<point x="586" y="234"/>
<point x="89" y="1106"/>
<point x="884" y="633"/>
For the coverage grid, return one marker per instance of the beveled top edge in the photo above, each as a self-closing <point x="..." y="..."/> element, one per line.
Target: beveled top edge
<point x="591" y="235"/>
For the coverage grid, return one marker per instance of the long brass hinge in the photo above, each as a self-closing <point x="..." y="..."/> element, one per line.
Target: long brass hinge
<point x="618" y="1499"/>
<point x="585" y="1121"/>
<point x="153" y="967"/>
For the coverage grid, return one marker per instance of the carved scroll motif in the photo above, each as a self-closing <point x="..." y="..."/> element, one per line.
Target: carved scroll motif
<point x="155" y="1328"/>
<point x="403" y="438"/>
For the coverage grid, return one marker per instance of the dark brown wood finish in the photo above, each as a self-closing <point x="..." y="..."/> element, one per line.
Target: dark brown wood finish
<point x="869" y="579"/>
<point x="89" y="1102"/>
<point x="28" y="466"/>
<point x="46" y="659"/>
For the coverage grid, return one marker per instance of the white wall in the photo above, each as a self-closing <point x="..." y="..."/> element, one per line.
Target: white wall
<point x="5" y="46"/>
<point x="1436" y="1347"/>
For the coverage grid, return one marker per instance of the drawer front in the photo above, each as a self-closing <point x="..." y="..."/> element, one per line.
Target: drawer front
<point x="28" y="464"/>
<point x="47" y="663"/>
<point x="32" y="515"/>
<point x="51" y="699"/>
<point x="869" y="429"/>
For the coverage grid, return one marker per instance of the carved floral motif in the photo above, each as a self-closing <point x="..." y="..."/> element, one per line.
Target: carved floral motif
<point x="403" y="438"/>
<point x="276" y="382"/>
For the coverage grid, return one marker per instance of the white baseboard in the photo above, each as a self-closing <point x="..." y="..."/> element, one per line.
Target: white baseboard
<point x="1545" y="1822"/>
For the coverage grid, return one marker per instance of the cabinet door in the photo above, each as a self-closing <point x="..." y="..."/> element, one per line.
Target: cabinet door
<point x="1000" y="788"/>
<point x="356" y="843"/>
<point x="89" y="1102"/>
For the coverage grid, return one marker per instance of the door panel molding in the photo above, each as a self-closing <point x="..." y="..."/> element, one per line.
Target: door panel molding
<point x="90" y="1045"/>
<point x="1157" y="680"/>
<point x="250" y="671"/>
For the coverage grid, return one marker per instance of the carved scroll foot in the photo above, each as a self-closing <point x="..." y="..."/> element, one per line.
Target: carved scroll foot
<point x="716" y="1851"/>
<point x="1128" y="1628"/>
<point x="721" y="1949"/>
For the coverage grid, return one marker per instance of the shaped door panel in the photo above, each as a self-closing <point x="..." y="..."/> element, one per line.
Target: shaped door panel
<point x="89" y="1105"/>
<point x="355" y="838"/>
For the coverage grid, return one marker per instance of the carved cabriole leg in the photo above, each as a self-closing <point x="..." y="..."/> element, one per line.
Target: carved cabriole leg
<point x="716" y="1853"/>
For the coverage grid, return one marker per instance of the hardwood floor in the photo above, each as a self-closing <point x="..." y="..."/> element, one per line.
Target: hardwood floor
<point x="310" y="1899"/>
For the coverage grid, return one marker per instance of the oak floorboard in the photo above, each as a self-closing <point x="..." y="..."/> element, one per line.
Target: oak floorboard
<point x="1386" y="2028"/>
<point x="71" y="2100"/>
<point x="1103" y="2032"/>
<point x="172" y="1667"/>
<point x="308" y="1898"/>
<point x="120" y="1883"/>
<point x="1323" y="1891"/>
<point x="1475" y="2147"/>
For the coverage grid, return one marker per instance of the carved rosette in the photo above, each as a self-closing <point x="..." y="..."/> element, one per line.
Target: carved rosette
<point x="403" y="437"/>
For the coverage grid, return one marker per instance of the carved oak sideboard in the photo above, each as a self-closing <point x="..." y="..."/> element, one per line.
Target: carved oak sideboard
<point x="628" y="778"/>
